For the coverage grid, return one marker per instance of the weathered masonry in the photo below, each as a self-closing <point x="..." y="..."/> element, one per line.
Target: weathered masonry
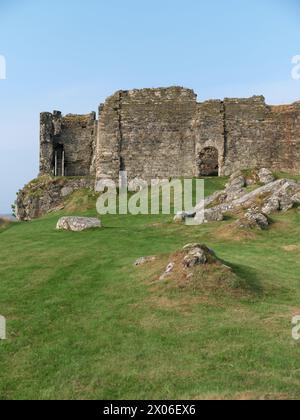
<point x="164" y="133"/>
<point x="67" y="144"/>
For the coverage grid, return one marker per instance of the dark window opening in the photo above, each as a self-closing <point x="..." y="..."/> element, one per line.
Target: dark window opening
<point x="122" y="165"/>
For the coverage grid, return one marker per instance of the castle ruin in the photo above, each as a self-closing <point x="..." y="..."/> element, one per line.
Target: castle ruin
<point x="166" y="133"/>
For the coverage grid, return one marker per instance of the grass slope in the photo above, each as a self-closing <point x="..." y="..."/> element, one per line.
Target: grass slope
<point x="83" y="323"/>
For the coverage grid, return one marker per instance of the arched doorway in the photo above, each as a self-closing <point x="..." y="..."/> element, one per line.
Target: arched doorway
<point x="208" y="162"/>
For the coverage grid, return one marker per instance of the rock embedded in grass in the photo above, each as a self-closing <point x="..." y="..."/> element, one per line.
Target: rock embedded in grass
<point x="78" y="224"/>
<point x="144" y="260"/>
<point x="179" y="218"/>
<point x="253" y="219"/>
<point x="168" y="271"/>
<point x="183" y="215"/>
<point x="213" y="215"/>
<point x="198" y="255"/>
<point x="192" y="255"/>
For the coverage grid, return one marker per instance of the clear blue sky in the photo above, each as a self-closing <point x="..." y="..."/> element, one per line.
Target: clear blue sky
<point x="69" y="55"/>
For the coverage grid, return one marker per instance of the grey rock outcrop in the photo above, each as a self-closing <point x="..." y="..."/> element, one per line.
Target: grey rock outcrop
<point x="266" y="176"/>
<point x="271" y="205"/>
<point x="197" y="254"/>
<point x="280" y="195"/>
<point x="213" y="215"/>
<point x="296" y="198"/>
<point x="47" y="194"/>
<point x="253" y="219"/>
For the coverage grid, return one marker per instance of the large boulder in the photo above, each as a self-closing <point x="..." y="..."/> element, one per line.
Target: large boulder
<point x="78" y="224"/>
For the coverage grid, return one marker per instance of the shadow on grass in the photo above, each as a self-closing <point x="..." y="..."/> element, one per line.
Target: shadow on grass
<point x="249" y="277"/>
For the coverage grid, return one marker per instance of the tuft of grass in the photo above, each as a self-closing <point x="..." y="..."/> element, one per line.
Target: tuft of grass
<point x="82" y="200"/>
<point x="4" y="224"/>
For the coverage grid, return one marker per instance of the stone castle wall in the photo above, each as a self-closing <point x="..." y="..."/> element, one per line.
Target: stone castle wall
<point x="258" y="135"/>
<point x="163" y="133"/>
<point x="148" y="133"/>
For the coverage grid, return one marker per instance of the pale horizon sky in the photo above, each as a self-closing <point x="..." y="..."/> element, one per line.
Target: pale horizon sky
<point x="70" y="55"/>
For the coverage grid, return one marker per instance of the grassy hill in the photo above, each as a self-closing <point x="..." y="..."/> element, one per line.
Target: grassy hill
<point x="83" y="323"/>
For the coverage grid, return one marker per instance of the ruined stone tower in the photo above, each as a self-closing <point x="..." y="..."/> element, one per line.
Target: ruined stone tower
<point x="164" y="133"/>
<point x="67" y="144"/>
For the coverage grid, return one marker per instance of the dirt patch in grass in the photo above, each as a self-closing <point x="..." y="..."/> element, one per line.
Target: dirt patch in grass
<point x="281" y="313"/>
<point x="281" y="225"/>
<point x="291" y="248"/>
<point x="4" y="223"/>
<point x="181" y="303"/>
<point x="233" y="233"/>
<point x="244" y="396"/>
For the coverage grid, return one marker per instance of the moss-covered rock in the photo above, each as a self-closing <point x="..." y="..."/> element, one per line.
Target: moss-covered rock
<point x="47" y="194"/>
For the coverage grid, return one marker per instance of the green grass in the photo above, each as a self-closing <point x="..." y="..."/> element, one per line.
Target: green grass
<point x="83" y="323"/>
<point x="281" y="175"/>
